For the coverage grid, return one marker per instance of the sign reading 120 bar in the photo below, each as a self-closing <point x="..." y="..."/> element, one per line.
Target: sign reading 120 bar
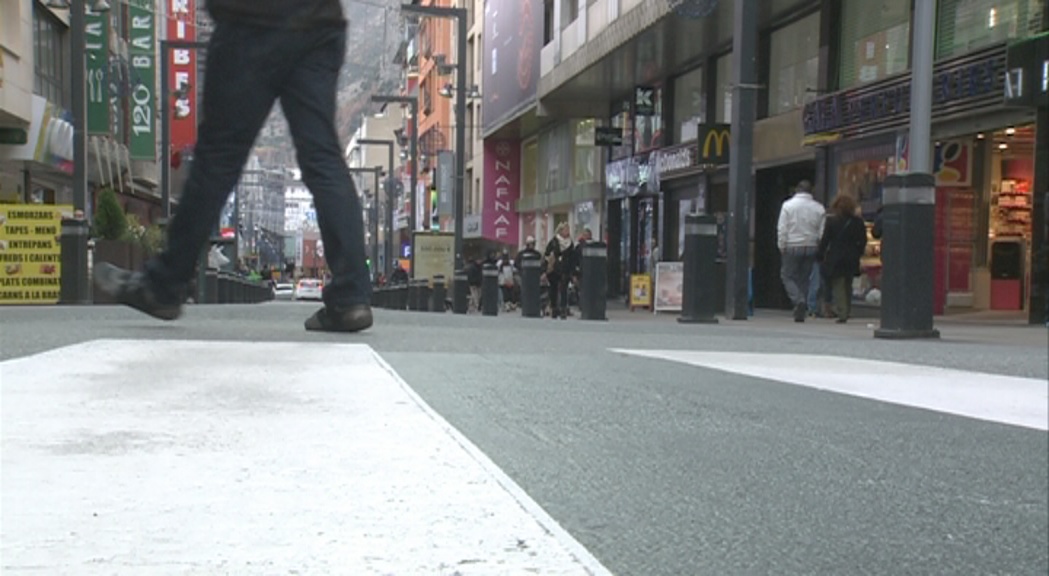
<point x="181" y="25"/>
<point x="142" y="101"/>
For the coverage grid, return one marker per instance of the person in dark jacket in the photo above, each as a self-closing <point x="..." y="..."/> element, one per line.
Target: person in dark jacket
<point x="560" y="255"/>
<point x="842" y="245"/>
<point x="262" y="52"/>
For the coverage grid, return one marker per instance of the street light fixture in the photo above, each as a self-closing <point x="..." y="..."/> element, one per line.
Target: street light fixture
<point x="413" y="108"/>
<point x="81" y="194"/>
<point x="459" y="14"/>
<point x="390" y="183"/>
<point x="373" y="212"/>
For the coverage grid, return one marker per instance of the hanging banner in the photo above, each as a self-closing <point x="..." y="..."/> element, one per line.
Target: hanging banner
<point x="143" y="102"/>
<point x="181" y="25"/>
<point x="30" y="253"/>
<point x="96" y="32"/>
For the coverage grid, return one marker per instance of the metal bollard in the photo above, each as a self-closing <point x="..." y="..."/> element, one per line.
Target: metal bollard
<point x="387" y="297"/>
<point x="439" y="295"/>
<point x="699" y="293"/>
<point x="73" y="246"/>
<point x="401" y="294"/>
<point x="225" y="288"/>
<point x="593" y="295"/>
<point x="238" y="290"/>
<point x="423" y="296"/>
<point x="908" y="247"/>
<point x="413" y="295"/>
<point x="490" y="290"/>
<point x="531" y="275"/>
<point x="211" y="287"/>
<point x="461" y="293"/>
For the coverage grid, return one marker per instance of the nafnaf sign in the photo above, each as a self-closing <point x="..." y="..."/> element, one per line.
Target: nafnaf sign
<point x="513" y="37"/>
<point x="502" y="188"/>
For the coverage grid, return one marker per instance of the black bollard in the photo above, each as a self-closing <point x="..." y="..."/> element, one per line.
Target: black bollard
<point x="74" y="249"/>
<point x="225" y="288"/>
<point x="461" y="293"/>
<point x="387" y="297"/>
<point x="531" y="275"/>
<point x="439" y="295"/>
<point x="593" y="294"/>
<point x="699" y="294"/>
<point x="413" y="295"/>
<point x="423" y="296"/>
<point x="211" y="287"/>
<point x="490" y="290"/>
<point x="907" y="253"/>
<point x="401" y="294"/>
<point x="238" y="290"/>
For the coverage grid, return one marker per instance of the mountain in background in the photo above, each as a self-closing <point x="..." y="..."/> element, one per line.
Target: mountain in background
<point x="375" y="32"/>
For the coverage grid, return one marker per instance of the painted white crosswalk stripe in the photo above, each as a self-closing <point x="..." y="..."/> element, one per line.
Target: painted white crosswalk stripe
<point x="1004" y="399"/>
<point x="166" y="457"/>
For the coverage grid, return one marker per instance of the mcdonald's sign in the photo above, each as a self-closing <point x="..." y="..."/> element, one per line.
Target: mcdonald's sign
<point x="714" y="143"/>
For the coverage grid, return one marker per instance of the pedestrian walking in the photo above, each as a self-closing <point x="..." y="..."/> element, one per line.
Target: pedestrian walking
<point x="262" y="52"/>
<point x="560" y="257"/>
<point x="799" y="230"/>
<point x="841" y="247"/>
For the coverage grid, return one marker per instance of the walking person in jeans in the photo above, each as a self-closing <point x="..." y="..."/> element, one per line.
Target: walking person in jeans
<point x="841" y="247"/>
<point x="262" y="52"/>
<point x="799" y="230"/>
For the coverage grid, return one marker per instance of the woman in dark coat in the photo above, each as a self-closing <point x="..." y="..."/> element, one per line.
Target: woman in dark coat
<point x="841" y="247"/>
<point x="560" y="256"/>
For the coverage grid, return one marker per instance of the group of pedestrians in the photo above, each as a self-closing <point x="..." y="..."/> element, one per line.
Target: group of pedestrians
<point x="820" y="252"/>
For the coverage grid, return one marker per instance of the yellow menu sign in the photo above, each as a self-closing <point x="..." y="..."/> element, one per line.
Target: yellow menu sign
<point x="31" y="253"/>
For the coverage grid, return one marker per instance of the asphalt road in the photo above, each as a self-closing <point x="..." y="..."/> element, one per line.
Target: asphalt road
<point x="662" y="468"/>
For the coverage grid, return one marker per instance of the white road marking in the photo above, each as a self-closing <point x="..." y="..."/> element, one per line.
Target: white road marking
<point x="167" y="457"/>
<point x="1004" y="399"/>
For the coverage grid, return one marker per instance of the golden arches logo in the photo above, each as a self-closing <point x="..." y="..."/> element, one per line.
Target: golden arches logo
<point x="720" y="137"/>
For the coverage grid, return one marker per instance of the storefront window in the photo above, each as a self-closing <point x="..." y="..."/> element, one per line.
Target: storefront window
<point x="723" y="92"/>
<point x="623" y="121"/>
<point x="861" y="173"/>
<point x="874" y="40"/>
<point x="554" y="154"/>
<point x="530" y="169"/>
<point x="690" y="105"/>
<point x="587" y="155"/>
<point x="48" y="56"/>
<point x="966" y="25"/>
<point x="794" y="65"/>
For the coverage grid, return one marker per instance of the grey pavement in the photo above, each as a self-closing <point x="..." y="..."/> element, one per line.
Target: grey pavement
<point x="661" y="468"/>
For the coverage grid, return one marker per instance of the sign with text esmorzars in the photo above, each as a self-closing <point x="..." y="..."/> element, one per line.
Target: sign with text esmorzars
<point x="31" y="253"/>
<point x="181" y="25"/>
<point x="502" y="188"/>
<point x="142" y="50"/>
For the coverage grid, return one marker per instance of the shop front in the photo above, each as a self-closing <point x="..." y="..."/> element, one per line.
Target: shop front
<point x="633" y="220"/>
<point x="983" y="162"/>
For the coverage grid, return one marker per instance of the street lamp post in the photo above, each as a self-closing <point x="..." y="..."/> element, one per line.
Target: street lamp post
<point x="389" y="197"/>
<point x="459" y="14"/>
<point x="81" y="195"/>
<point x="413" y="105"/>
<point x="373" y="215"/>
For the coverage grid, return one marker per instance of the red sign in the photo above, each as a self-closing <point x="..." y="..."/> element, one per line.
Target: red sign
<point x="182" y="25"/>
<point x="502" y="188"/>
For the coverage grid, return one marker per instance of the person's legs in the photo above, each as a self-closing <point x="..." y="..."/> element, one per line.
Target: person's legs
<point x="238" y="95"/>
<point x="788" y="274"/>
<point x="563" y="295"/>
<point x="555" y="294"/>
<point x="814" y="289"/>
<point x="841" y="297"/>
<point x="308" y="99"/>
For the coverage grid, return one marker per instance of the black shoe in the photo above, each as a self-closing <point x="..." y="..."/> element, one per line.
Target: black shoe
<point x="350" y="319"/>
<point x="131" y="289"/>
<point x="799" y="312"/>
<point x="841" y="320"/>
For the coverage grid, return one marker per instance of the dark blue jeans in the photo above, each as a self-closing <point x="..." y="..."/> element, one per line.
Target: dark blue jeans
<point x="248" y="69"/>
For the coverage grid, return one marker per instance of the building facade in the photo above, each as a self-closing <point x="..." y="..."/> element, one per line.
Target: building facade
<point x="647" y="89"/>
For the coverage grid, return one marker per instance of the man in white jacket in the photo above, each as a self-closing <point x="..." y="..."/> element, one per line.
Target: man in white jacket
<point x="800" y="227"/>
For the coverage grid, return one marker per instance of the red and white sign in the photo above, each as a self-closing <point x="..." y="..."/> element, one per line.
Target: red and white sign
<point x="502" y="188"/>
<point x="182" y="25"/>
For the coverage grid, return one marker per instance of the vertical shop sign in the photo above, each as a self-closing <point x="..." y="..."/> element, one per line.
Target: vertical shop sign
<point x="502" y="174"/>
<point x="96" y="32"/>
<point x="143" y="104"/>
<point x="181" y="25"/>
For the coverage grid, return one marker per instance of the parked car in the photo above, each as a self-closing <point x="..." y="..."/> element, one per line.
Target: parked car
<point x="309" y="289"/>
<point x="284" y="291"/>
